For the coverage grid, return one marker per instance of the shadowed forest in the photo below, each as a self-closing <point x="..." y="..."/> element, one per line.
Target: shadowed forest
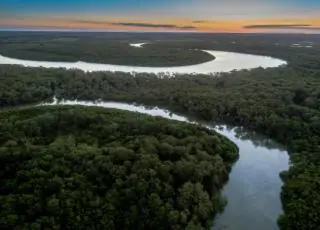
<point x="80" y="168"/>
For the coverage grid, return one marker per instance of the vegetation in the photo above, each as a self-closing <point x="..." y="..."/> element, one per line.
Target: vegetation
<point x="163" y="49"/>
<point x="91" y="168"/>
<point x="283" y="103"/>
<point x="97" y="50"/>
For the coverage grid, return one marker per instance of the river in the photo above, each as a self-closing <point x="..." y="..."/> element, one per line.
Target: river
<point x="223" y="62"/>
<point x="253" y="190"/>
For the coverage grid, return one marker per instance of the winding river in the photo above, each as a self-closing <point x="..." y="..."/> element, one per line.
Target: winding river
<point x="223" y="62"/>
<point x="253" y="190"/>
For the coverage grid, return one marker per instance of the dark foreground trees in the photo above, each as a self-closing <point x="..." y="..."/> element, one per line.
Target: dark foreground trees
<point x="91" y="168"/>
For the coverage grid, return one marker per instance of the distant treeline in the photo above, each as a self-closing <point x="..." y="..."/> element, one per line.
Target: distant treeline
<point x="163" y="49"/>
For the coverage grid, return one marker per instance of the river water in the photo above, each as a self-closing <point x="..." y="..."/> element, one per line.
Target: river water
<point x="253" y="190"/>
<point x="223" y="62"/>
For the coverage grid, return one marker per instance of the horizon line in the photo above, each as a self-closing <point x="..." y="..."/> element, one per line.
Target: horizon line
<point x="142" y="31"/>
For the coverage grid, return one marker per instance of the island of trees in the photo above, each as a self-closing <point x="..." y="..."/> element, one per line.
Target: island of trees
<point x="97" y="50"/>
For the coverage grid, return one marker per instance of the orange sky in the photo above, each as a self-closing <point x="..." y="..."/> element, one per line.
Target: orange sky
<point x="163" y="15"/>
<point x="100" y="23"/>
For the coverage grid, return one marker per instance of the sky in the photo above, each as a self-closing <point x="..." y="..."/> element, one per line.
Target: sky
<point x="230" y="16"/>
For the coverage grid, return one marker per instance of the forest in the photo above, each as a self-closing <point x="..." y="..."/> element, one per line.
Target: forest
<point x="73" y="49"/>
<point x="91" y="168"/>
<point x="283" y="103"/>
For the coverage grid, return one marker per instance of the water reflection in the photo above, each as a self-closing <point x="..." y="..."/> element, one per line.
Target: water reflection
<point x="257" y="139"/>
<point x="253" y="190"/>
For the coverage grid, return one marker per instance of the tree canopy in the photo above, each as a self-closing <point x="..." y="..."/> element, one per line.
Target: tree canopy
<point x="97" y="50"/>
<point x="91" y="168"/>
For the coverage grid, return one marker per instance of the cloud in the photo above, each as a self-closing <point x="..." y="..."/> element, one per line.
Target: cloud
<point x="150" y="25"/>
<point x="199" y="21"/>
<point x="134" y="24"/>
<point x="91" y="22"/>
<point x="187" y="27"/>
<point x="274" y="26"/>
<point x="282" y="26"/>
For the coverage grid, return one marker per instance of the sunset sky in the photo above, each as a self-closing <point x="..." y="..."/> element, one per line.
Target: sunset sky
<point x="163" y="15"/>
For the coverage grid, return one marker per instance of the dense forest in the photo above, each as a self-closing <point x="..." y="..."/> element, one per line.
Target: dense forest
<point x="283" y="103"/>
<point x="91" y="168"/>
